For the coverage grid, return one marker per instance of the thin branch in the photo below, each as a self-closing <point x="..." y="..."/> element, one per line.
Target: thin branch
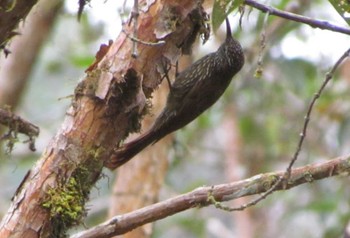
<point x="259" y="70"/>
<point x="18" y="124"/>
<point x="285" y="178"/>
<point x="329" y="76"/>
<point x="201" y="197"/>
<point x="161" y="42"/>
<point x="324" y="25"/>
<point x="135" y="16"/>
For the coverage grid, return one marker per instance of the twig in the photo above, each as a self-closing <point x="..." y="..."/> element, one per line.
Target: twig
<point x="259" y="70"/>
<point x="161" y="42"/>
<point x="17" y="125"/>
<point x="298" y="18"/>
<point x="134" y="16"/>
<point x="223" y="192"/>
<point x="15" y="122"/>
<point x="286" y="176"/>
<point x="329" y="76"/>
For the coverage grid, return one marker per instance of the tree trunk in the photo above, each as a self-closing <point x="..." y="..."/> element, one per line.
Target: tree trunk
<point x="232" y="150"/>
<point x="107" y="105"/>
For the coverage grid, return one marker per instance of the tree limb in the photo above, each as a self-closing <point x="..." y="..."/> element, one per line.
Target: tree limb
<point x="11" y="13"/>
<point x="18" y="124"/>
<point x="200" y="197"/>
<point x="282" y="180"/>
<point x="15" y="70"/>
<point x="324" y="25"/>
<point x="107" y="105"/>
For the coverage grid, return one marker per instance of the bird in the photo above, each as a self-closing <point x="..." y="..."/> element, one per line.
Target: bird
<point x="193" y="91"/>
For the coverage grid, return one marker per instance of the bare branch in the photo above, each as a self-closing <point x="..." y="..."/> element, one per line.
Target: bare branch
<point x="324" y="25"/>
<point x="15" y="122"/>
<point x="316" y="96"/>
<point x="11" y="13"/>
<point x="17" y="125"/>
<point x="134" y="39"/>
<point x="200" y="197"/>
<point x="283" y="180"/>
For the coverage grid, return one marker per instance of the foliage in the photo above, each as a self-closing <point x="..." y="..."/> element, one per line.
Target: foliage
<point x="343" y="8"/>
<point x="221" y="9"/>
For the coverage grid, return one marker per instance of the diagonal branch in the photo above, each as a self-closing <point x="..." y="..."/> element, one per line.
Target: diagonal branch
<point x="224" y="192"/>
<point x="324" y="25"/>
<point x="302" y="135"/>
<point x="17" y="123"/>
<point x="107" y="105"/>
<point x="11" y="13"/>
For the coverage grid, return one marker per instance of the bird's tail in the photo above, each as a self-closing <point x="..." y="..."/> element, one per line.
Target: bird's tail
<point x="129" y="150"/>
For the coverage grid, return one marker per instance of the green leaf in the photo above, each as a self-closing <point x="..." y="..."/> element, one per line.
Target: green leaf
<point x="343" y="8"/>
<point x="221" y="9"/>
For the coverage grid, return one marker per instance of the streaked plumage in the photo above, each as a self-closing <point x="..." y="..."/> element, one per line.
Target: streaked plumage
<point x="194" y="90"/>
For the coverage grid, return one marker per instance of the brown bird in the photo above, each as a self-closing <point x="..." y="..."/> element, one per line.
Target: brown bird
<point x="194" y="90"/>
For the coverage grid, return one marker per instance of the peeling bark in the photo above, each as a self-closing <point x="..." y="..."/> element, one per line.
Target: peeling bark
<point x="107" y="106"/>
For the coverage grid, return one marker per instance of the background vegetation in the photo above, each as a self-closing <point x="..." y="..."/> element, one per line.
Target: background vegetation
<point x="259" y="117"/>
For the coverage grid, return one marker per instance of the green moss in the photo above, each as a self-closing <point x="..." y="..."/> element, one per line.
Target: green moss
<point x="96" y="153"/>
<point x="66" y="202"/>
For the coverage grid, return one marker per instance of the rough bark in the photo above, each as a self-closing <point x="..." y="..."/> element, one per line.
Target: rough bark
<point x="107" y="106"/>
<point x="11" y="13"/>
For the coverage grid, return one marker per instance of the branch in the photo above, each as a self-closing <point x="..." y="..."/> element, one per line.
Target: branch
<point x="15" y="70"/>
<point x="18" y="124"/>
<point x="324" y="25"/>
<point x="224" y="192"/>
<point x="302" y="135"/>
<point x="106" y="106"/>
<point x="11" y="13"/>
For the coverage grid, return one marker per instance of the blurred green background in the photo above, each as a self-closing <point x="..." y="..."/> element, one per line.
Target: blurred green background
<point x="264" y="116"/>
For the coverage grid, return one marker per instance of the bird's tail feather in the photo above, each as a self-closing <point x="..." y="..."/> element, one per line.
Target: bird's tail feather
<point x="129" y="150"/>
